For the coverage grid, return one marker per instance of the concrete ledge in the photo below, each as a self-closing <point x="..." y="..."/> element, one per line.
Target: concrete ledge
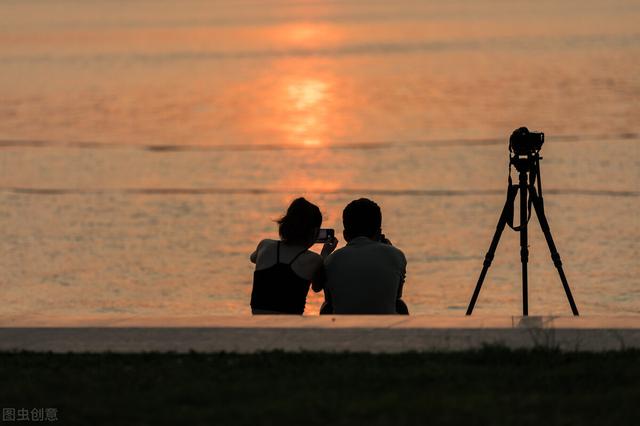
<point x="327" y="333"/>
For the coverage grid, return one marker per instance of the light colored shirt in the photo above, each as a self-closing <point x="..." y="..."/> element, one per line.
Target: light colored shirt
<point x="365" y="277"/>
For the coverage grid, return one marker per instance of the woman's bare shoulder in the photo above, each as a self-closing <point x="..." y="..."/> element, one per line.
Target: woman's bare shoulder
<point x="307" y="264"/>
<point x="267" y="242"/>
<point x="311" y="257"/>
<point x="263" y="245"/>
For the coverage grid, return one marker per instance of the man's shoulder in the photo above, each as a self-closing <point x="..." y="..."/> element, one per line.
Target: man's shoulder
<point x="390" y="250"/>
<point x="376" y="249"/>
<point x="340" y="255"/>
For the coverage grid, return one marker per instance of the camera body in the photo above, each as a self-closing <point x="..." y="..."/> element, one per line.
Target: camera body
<point x="524" y="142"/>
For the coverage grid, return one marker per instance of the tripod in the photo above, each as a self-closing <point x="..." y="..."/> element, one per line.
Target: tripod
<point x="524" y="164"/>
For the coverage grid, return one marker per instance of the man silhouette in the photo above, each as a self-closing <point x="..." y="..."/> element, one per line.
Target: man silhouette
<point x="367" y="275"/>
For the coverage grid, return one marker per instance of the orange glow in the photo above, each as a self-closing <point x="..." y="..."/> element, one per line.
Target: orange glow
<point x="310" y="185"/>
<point x="307" y="125"/>
<point x="306" y="34"/>
<point x="311" y="142"/>
<point x="307" y="101"/>
<point x="307" y="93"/>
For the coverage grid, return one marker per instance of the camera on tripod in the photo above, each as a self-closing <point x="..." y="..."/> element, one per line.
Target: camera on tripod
<point x="524" y="142"/>
<point x="524" y="148"/>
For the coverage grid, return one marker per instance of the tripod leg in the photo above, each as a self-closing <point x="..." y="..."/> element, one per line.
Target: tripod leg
<point x="504" y="216"/>
<point x="524" y="244"/>
<point x="555" y="256"/>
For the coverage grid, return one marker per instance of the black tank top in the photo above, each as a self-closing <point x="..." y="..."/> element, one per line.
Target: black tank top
<point x="279" y="289"/>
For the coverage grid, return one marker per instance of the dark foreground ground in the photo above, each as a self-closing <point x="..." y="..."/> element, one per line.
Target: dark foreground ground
<point x="493" y="386"/>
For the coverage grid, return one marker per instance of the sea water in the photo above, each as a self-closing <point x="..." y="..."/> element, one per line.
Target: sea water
<point x="147" y="146"/>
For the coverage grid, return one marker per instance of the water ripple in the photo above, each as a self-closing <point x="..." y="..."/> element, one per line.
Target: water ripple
<point x="355" y="145"/>
<point x="341" y="191"/>
<point x="529" y="43"/>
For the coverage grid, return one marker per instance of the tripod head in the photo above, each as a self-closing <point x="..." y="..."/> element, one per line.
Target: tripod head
<point x="525" y="163"/>
<point x="528" y="167"/>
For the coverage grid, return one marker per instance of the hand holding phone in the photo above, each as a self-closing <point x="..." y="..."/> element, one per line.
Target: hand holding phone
<point x="327" y="236"/>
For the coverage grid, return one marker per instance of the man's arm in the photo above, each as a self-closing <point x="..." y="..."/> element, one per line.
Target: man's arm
<point x="403" y="275"/>
<point x="401" y="285"/>
<point x="401" y="307"/>
<point x="403" y="264"/>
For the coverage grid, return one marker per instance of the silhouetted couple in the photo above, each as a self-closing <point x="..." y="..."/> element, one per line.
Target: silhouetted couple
<point x="364" y="277"/>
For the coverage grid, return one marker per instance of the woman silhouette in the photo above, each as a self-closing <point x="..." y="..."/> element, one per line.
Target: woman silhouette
<point x="286" y="268"/>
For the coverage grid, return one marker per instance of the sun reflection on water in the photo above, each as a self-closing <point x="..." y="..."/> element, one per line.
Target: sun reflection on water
<point x="307" y="93"/>
<point x="308" y="103"/>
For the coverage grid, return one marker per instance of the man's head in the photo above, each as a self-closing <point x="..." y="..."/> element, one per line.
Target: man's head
<point x="362" y="218"/>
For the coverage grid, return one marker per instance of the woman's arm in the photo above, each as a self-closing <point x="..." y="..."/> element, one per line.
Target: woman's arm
<point x="329" y="247"/>
<point x="319" y="278"/>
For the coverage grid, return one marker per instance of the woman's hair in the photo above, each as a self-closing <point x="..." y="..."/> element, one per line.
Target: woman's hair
<point x="301" y="220"/>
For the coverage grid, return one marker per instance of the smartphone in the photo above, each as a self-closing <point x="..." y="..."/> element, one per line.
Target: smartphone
<point x="325" y="235"/>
